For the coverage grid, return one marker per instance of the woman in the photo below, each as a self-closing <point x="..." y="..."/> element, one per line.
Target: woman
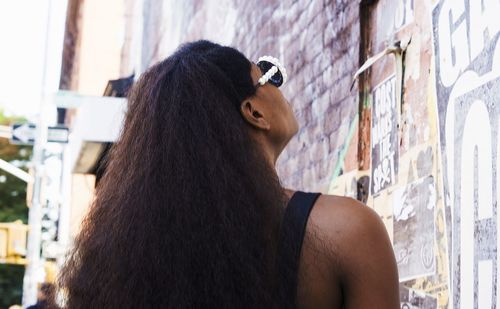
<point x="191" y="214"/>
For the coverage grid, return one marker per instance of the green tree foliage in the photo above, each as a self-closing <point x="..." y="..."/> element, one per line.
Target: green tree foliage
<point x="12" y="189"/>
<point x="12" y="207"/>
<point x="11" y="285"/>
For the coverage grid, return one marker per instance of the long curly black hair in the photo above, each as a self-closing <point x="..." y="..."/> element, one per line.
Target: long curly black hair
<point x="188" y="212"/>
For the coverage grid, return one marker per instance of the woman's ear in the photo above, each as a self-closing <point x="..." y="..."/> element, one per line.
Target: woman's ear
<point x="254" y="115"/>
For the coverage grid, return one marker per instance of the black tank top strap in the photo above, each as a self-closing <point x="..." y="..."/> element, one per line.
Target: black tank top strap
<point x="292" y="236"/>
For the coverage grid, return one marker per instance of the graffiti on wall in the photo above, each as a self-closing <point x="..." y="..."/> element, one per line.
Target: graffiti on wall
<point x="411" y="299"/>
<point x="404" y="14"/>
<point x="414" y="228"/>
<point x="467" y="54"/>
<point x="411" y="206"/>
<point x="384" y="135"/>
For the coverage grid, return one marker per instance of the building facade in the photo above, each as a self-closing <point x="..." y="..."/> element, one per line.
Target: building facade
<point x="396" y="102"/>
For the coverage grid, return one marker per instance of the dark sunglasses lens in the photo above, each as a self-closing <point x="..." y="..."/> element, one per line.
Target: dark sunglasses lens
<point x="276" y="79"/>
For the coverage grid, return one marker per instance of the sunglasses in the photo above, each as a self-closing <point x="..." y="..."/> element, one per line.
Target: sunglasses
<point x="272" y="72"/>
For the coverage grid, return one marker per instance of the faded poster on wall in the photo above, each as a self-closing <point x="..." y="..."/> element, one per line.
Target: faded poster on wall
<point x="413" y="299"/>
<point x="414" y="228"/>
<point x="467" y="55"/>
<point x="384" y="136"/>
<point x="402" y="13"/>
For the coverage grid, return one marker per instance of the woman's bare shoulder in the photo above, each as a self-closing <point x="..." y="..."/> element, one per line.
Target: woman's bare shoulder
<point x="364" y="259"/>
<point x="331" y="211"/>
<point x="343" y="222"/>
<point x="343" y="213"/>
<point x="340" y="220"/>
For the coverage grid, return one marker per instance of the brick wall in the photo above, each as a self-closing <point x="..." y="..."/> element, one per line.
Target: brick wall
<point x="317" y="40"/>
<point x="429" y="183"/>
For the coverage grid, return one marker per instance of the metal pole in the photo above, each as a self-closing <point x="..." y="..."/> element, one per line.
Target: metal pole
<point x="64" y="212"/>
<point x="34" y="269"/>
<point x="15" y="171"/>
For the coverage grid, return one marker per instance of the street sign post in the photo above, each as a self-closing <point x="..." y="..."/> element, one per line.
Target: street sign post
<point x="58" y="134"/>
<point x="24" y="133"/>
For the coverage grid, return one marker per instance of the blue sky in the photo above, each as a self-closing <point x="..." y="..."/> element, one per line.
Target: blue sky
<point x="23" y="29"/>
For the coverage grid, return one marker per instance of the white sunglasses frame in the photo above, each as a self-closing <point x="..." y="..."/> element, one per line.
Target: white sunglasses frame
<point x="277" y="66"/>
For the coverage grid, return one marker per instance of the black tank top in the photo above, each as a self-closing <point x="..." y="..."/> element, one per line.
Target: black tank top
<point x="292" y="235"/>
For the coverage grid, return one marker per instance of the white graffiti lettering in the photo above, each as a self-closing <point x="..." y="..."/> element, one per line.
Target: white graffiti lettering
<point x="384" y="107"/>
<point x="476" y="138"/>
<point x="498" y="215"/>
<point x="384" y="135"/>
<point x="404" y="13"/>
<point x="483" y="17"/>
<point x="456" y="51"/>
<point x="485" y="282"/>
<point x="450" y="42"/>
<point x="383" y="173"/>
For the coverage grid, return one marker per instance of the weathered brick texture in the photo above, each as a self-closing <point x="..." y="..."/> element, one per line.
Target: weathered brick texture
<point x="318" y="40"/>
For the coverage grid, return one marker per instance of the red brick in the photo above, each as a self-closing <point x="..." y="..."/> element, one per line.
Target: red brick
<point x="352" y="12"/>
<point x="310" y="93"/>
<point x="314" y="9"/>
<point x="342" y="89"/>
<point x="320" y="105"/>
<point x="302" y="21"/>
<point x="322" y="61"/>
<point x="313" y="132"/>
<point x="308" y="179"/>
<point x="327" y="3"/>
<point x="320" y="22"/>
<point x="335" y="140"/>
<point x="292" y="13"/>
<point x="303" y="159"/>
<point x="304" y="116"/>
<point x="320" y="149"/>
<point x="318" y="41"/>
<point x="328" y="164"/>
<point x="328" y="34"/>
<point x="331" y="120"/>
